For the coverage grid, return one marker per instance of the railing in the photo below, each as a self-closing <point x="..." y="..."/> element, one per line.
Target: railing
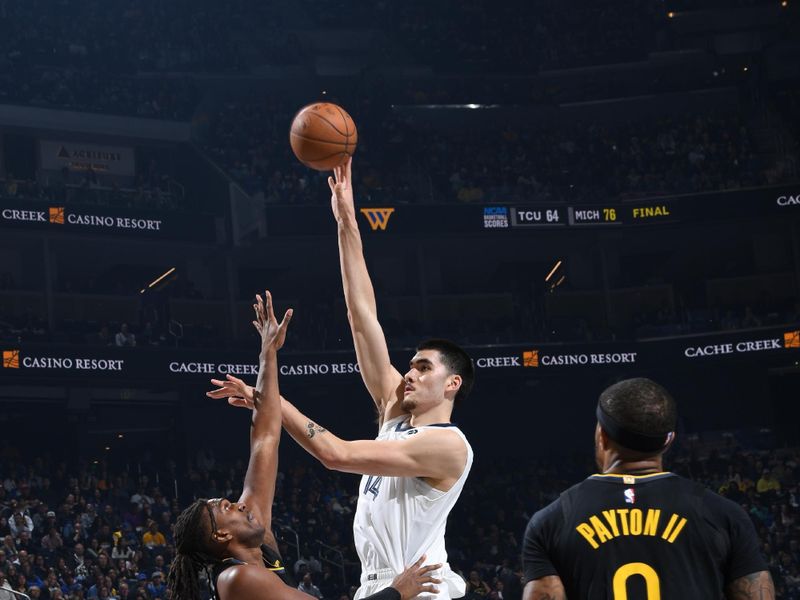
<point x="324" y="552"/>
<point x="285" y="528"/>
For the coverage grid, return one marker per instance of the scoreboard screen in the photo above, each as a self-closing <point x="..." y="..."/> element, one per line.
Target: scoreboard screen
<point x="624" y="214"/>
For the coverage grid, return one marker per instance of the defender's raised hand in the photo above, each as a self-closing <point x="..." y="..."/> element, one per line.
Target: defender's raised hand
<point x="273" y="334"/>
<point x="235" y="390"/>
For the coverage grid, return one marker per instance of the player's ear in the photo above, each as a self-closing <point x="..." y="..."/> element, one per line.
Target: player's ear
<point x="222" y="536"/>
<point x="454" y="383"/>
<point x="601" y="437"/>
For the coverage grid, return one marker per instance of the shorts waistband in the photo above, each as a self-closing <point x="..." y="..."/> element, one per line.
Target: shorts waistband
<point x="389" y="574"/>
<point x="378" y="575"/>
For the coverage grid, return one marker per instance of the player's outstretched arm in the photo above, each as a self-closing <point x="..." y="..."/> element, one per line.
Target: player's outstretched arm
<point x="756" y="586"/>
<point x="384" y="382"/>
<point x="546" y="588"/>
<point x="247" y="582"/>
<point x="432" y="453"/>
<point x="265" y="433"/>
<point x="436" y="454"/>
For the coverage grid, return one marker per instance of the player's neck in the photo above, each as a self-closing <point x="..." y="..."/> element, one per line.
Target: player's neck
<point x="439" y="414"/>
<point x="618" y="466"/>
<point x="251" y="556"/>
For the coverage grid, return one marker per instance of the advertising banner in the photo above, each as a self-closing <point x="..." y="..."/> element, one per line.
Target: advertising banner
<point x="100" y="220"/>
<point x="771" y="347"/>
<point x="78" y="156"/>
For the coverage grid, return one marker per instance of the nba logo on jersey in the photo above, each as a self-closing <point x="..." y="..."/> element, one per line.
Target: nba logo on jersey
<point x="630" y="496"/>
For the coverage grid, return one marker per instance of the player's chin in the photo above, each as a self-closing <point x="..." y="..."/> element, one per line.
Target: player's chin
<point x="408" y="404"/>
<point x="257" y="531"/>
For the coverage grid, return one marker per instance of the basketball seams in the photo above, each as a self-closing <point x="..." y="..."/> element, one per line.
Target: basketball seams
<point x="312" y="139"/>
<point x="347" y="136"/>
<point x="344" y="120"/>
<point x="330" y="148"/>
<point x="318" y="150"/>
<point x="339" y="131"/>
<point x="346" y="128"/>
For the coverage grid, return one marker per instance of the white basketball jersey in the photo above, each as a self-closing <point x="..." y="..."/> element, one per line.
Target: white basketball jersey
<point x="398" y="519"/>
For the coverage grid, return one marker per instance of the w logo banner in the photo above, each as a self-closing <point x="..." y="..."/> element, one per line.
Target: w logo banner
<point x="378" y="218"/>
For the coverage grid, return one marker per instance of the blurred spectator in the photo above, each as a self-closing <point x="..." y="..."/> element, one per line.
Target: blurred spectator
<point x="477" y="587"/>
<point x="141" y="498"/>
<point x="767" y="483"/>
<point x="124" y="337"/>
<point x="307" y="586"/>
<point x="156" y="588"/>
<point x="20" y="522"/>
<point x="52" y="542"/>
<point x="122" y="551"/>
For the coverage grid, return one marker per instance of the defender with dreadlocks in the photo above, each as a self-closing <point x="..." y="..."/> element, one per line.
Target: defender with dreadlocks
<point x="233" y="541"/>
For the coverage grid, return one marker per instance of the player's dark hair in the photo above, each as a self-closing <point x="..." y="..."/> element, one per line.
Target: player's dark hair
<point x="640" y="405"/>
<point x="457" y="362"/>
<point x="192" y="536"/>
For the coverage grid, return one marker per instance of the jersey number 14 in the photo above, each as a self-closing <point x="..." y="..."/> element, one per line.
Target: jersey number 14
<point x="373" y="485"/>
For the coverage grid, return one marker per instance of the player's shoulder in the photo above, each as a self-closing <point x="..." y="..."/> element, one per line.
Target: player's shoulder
<point x="401" y="427"/>
<point x="245" y="581"/>
<point x="714" y="507"/>
<point x="710" y="499"/>
<point x="719" y="506"/>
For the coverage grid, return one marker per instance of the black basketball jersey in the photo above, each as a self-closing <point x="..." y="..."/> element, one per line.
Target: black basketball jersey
<point x="271" y="559"/>
<point x="648" y="537"/>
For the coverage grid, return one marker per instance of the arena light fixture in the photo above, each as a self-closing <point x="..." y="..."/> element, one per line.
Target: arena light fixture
<point x="155" y="282"/>
<point x="470" y="106"/>
<point x="552" y="271"/>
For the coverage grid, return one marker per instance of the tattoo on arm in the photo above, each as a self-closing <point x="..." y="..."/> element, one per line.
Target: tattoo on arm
<point x="313" y="429"/>
<point x="756" y="586"/>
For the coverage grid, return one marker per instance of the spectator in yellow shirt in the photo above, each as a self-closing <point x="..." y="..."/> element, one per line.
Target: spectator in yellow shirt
<point x="767" y="483"/>
<point x="153" y="537"/>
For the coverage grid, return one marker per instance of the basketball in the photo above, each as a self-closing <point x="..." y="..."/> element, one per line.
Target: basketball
<point x="323" y="136"/>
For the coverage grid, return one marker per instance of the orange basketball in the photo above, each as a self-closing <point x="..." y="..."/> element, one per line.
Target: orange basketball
<point x="323" y="136"/>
